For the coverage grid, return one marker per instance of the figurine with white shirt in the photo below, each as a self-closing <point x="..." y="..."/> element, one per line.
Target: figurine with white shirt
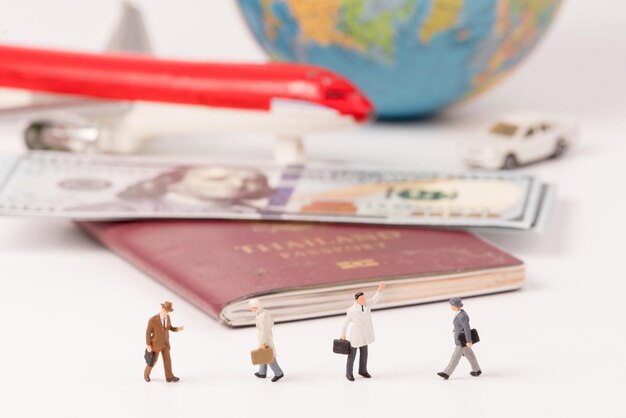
<point x="464" y="338"/>
<point x="359" y="316"/>
<point x="264" y="323"/>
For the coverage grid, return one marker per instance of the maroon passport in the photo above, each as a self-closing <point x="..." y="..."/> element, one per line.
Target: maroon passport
<point x="307" y="270"/>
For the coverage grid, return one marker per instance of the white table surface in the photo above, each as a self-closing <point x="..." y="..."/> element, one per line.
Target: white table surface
<point x="73" y="315"/>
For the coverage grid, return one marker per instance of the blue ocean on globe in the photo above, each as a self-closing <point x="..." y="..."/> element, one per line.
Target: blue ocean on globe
<point x="411" y="57"/>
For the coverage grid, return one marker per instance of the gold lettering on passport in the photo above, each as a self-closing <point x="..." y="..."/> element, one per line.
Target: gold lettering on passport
<point x="285" y="255"/>
<point x="294" y="244"/>
<point x="245" y="248"/>
<point x="337" y="244"/>
<point x="356" y="264"/>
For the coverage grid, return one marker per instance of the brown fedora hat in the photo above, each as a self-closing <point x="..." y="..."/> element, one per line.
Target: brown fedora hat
<point x="167" y="305"/>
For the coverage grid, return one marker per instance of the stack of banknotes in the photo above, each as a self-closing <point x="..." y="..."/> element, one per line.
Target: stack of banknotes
<point x="99" y="187"/>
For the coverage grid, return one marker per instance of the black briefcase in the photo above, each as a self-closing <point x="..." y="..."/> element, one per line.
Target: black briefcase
<point x="341" y="347"/>
<point x="149" y="357"/>
<point x="463" y="340"/>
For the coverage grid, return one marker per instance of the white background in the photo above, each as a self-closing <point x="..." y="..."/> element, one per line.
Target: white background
<point x="73" y="315"/>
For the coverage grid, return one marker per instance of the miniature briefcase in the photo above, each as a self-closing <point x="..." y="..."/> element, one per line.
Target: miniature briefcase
<point x="463" y="340"/>
<point x="149" y="357"/>
<point x="341" y="347"/>
<point x="262" y="356"/>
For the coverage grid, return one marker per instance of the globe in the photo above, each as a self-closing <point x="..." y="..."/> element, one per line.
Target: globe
<point x="411" y="57"/>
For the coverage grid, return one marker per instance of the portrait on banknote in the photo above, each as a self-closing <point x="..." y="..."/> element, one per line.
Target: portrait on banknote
<point x="231" y="188"/>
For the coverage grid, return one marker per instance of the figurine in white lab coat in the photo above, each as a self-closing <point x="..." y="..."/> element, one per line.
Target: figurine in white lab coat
<point x="362" y="331"/>
<point x="264" y="323"/>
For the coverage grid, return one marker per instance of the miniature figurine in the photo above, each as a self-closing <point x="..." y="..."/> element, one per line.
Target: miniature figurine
<point x="461" y="326"/>
<point x="264" y="323"/>
<point x="362" y="331"/>
<point x="158" y="341"/>
<point x="520" y="139"/>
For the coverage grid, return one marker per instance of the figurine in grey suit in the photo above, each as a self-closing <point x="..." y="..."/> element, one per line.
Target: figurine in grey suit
<point x="461" y="325"/>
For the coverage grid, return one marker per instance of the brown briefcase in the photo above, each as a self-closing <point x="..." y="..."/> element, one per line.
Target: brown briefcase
<point x="262" y="356"/>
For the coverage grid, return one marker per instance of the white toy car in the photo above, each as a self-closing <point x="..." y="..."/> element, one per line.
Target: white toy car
<point x="520" y="139"/>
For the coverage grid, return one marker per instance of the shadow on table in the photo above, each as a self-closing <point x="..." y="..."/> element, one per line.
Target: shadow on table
<point x="553" y="241"/>
<point x="34" y="235"/>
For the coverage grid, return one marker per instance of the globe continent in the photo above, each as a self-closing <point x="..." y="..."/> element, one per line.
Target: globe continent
<point x="411" y="57"/>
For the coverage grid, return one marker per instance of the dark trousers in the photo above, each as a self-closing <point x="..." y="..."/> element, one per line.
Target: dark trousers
<point x="362" y="360"/>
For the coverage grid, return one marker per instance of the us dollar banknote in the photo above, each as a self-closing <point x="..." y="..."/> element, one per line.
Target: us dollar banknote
<point x="98" y="187"/>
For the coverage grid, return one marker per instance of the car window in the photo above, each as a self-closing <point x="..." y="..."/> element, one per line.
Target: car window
<point x="503" y="129"/>
<point x="529" y="133"/>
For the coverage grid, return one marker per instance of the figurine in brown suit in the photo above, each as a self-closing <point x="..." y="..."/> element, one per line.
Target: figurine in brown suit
<point x="158" y="340"/>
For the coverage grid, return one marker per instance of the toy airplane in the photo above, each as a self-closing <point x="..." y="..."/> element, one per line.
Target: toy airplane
<point x="113" y="103"/>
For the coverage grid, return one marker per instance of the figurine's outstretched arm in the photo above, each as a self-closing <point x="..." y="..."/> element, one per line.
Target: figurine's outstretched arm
<point x="377" y="295"/>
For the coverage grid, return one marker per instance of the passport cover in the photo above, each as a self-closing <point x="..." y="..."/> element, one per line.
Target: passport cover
<point x="215" y="263"/>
